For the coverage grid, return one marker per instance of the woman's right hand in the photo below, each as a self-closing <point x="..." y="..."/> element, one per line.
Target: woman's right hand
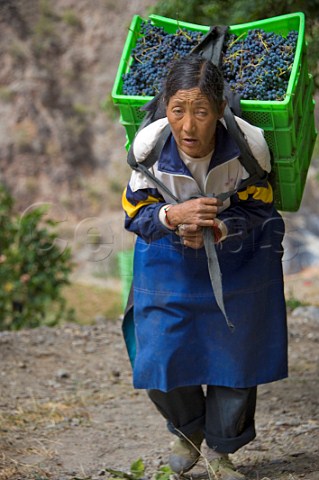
<point x="198" y="211"/>
<point x="191" y="235"/>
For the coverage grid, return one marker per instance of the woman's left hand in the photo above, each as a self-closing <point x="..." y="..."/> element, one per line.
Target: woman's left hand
<point x="191" y="236"/>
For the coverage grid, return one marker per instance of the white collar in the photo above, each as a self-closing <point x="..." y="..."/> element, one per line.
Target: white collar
<point x="187" y="159"/>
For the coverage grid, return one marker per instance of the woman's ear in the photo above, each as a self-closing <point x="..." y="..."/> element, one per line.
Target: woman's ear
<point x="222" y="108"/>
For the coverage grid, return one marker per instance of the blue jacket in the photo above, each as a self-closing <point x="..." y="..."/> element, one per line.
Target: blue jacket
<point x="179" y="334"/>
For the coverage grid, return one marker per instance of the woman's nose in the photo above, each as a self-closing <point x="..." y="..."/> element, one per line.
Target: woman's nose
<point x="188" y="123"/>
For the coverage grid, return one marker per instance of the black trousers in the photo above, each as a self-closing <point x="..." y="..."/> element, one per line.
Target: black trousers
<point x="225" y="415"/>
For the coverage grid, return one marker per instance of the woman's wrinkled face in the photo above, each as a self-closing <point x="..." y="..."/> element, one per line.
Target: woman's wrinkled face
<point x="193" y="121"/>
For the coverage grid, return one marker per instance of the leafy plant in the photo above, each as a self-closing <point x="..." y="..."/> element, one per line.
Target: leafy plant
<point x="163" y="473"/>
<point x="137" y="472"/>
<point x="293" y="303"/>
<point x="33" y="269"/>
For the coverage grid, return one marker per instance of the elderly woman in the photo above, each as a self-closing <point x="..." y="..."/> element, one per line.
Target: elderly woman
<point x="201" y="375"/>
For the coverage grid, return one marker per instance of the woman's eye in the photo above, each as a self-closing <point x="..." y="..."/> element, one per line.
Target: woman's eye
<point x="201" y="113"/>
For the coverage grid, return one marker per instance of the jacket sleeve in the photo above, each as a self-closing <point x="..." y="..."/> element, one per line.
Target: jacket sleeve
<point x="142" y="213"/>
<point x="250" y="208"/>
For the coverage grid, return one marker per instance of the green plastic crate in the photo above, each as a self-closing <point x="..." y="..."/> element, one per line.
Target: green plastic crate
<point x="305" y="143"/>
<point x="281" y="140"/>
<point x="131" y="130"/>
<point x="291" y="172"/>
<point x="281" y="25"/>
<point x="281" y="120"/>
<point x="284" y="141"/>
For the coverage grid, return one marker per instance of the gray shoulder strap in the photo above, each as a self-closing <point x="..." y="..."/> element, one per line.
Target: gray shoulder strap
<point x="246" y="158"/>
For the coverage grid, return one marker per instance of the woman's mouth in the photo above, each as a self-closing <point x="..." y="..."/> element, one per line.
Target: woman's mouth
<point x="189" y="141"/>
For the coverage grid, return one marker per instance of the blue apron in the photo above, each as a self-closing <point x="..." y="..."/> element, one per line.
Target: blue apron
<point x="176" y="334"/>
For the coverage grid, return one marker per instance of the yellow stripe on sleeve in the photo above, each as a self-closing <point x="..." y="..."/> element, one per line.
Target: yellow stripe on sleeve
<point x="264" y="194"/>
<point x="131" y="209"/>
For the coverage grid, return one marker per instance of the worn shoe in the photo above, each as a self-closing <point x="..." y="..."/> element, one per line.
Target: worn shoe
<point x="222" y="469"/>
<point x="185" y="452"/>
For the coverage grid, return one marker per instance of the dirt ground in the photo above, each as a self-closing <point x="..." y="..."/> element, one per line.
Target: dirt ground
<point x="68" y="410"/>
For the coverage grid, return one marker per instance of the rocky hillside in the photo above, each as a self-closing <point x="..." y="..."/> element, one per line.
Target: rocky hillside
<point x="58" y="63"/>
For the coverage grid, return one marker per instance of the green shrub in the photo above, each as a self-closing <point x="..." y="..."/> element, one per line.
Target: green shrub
<point x="33" y="269"/>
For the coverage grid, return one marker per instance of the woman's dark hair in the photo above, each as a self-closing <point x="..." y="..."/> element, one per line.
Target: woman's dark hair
<point x="194" y="71"/>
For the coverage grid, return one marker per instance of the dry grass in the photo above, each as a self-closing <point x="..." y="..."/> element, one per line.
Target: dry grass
<point x="10" y="469"/>
<point x="13" y="469"/>
<point x="22" y="454"/>
<point x="34" y="413"/>
<point x="21" y="426"/>
<point x="90" y="301"/>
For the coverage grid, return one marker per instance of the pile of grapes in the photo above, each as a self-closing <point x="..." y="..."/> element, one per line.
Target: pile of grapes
<point x="257" y="67"/>
<point x="154" y="52"/>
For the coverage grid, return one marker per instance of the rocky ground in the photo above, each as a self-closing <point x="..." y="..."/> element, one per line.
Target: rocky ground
<point x="68" y="410"/>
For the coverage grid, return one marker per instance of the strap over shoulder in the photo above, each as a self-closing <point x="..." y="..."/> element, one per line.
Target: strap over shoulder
<point x="211" y="48"/>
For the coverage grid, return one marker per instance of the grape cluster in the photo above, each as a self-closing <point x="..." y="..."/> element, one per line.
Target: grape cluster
<point x="154" y="52"/>
<point x="258" y="66"/>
